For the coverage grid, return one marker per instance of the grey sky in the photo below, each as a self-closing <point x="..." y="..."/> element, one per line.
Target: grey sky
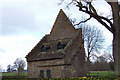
<point x="17" y="20"/>
<point x="24" y="22"/>
<point x="1" y="50"/>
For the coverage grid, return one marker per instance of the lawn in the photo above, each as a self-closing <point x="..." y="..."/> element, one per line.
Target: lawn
<point x="101" y="73"/>
<point x="92" y="73"/>
<point x="12" y="74"/>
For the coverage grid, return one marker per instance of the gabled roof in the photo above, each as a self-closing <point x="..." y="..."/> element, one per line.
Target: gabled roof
<point x="62" y="27"/>
<point x="63" y="32"/>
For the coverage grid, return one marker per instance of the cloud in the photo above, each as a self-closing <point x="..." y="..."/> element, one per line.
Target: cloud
<point x="22" y="24"/>
<point x="2" y="50"/>
<point x="17" y="19"/>
<point x="16" y="47"/>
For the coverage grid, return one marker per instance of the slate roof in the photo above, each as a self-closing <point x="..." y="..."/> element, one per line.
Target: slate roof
<point x="52" y="53"/>
<point x="63" y="32"/>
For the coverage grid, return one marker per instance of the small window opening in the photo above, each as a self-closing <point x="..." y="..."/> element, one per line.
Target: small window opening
<point x="60" y="46"/>
<point x="49" y="73"/>
<point x="44" y="48"/>
<point x="41" y="73"/>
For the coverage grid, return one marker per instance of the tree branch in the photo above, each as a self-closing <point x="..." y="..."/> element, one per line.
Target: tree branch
<point x="82" y="21"/>
<point x="69" y="4"/>
<point x="90" y="9"/>
<point x="94" y="14"/>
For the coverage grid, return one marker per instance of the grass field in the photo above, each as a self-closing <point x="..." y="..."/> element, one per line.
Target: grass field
<point x="101" y="73"/>
<point x="92" y="73"/>
<point x="12" y="74"/>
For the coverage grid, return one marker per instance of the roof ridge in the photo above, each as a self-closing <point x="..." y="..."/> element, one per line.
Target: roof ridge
<point x="59" y="13"/>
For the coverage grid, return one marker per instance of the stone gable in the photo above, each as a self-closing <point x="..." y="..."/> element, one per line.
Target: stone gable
<point x="58" y="54"/>
<point x="62" y="27"/>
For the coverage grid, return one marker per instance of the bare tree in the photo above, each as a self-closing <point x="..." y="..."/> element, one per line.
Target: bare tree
<point x="108" y="54"/>
<point x="112" y="24"/>
<point x="101" y="64"/>
<point x="108" y="57"/>
<point x="102" y="59"/>
<point x="9" y="68"/>
<point x="20" y="65"/>
<point x="93" y="41"/>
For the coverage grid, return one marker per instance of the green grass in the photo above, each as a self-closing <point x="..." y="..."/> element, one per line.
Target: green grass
<point x="97" y="75"/>
<point x="101" y="73"/>
<point x="92" y="73"/>
<point x="12" y="74"/>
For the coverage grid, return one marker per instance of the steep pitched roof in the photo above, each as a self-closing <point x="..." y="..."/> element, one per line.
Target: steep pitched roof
<point x="63" y="32"/>
<point x="62" y="27"/>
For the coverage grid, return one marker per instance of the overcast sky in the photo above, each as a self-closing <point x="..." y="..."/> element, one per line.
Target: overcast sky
<point x="24" y="22"/>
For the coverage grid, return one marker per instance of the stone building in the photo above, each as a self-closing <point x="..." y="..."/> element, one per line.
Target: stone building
<point x="59" y="54"/>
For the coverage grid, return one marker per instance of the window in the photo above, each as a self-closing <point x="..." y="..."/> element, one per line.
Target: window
<point x="41" y="73"/>
<point x="43" y="48"/>
<point x="60" y="46"/>
<point x="49" y="73"/>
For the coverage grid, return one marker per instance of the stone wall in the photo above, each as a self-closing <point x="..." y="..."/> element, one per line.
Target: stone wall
<point x="62" y="28"/>
<point x="56" y="67"/>
<point x="78" y="66"/>
<point x="56" y="71"/>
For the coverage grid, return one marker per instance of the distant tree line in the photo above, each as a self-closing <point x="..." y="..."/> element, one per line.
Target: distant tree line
<point x="18" y="66"/>
<point x="104" y="62"/>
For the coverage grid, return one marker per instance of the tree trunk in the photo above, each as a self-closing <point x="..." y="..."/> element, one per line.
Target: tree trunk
<point x="88" y="63"/>
<point x="88" y="66"/>
<point x="116" y="53"/>
<point x="116" y="38"/>
<point x="116" y="50"/>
